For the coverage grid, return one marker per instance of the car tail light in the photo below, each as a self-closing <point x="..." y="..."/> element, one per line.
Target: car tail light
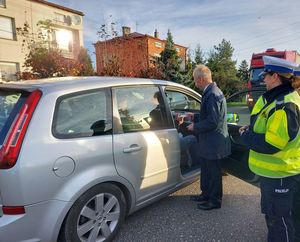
<point x="9" y="210"/>
<point x="12" y="144"/>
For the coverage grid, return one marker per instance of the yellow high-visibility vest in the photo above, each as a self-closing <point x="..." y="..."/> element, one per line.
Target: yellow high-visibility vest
<point x="286" y="162"/>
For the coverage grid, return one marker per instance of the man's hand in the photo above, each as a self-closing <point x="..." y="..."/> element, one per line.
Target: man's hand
<point x="190" y="127"/>
<point x="243" y="129"/>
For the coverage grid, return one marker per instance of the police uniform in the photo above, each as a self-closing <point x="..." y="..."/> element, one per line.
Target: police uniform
<point x="274" y="142"/>
<point x="296" y="205"/>
<point x="296" y="81"/>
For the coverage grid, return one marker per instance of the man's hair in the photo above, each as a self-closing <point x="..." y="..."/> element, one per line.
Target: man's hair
<point x="202" y="71"/>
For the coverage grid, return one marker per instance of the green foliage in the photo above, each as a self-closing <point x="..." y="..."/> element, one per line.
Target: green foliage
<point x="243" y="72"/>
<point x="86" y="63"/>
<point x="170" y="61"/>
<point x="223" y="67"/>
<point x="199" y="55"/>
<point x="188" y="75"/>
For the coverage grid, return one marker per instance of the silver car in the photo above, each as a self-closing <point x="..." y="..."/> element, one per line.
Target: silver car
<point x="79" y="154"/>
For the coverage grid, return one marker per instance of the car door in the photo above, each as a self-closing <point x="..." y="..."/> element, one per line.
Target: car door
<point x="239" y="107"/>
<point x="185" y="106"/>
<point x="146" y="147"/>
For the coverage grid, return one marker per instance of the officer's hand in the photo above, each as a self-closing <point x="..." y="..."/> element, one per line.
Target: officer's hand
<point x="243" y="129"/>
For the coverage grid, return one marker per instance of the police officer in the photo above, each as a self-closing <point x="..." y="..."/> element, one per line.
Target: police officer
<point x="273" y="138"/>
<point x="296" y="205"/>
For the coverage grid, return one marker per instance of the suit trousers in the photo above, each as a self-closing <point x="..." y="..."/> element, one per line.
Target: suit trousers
<point x="211" y="180"/>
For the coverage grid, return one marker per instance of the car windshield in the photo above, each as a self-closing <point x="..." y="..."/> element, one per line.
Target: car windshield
<point x="10" y="103"/>
<point x="254" y="75"/>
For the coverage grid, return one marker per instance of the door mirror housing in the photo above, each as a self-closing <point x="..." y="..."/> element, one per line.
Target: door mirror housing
<point x="233" y="118"/>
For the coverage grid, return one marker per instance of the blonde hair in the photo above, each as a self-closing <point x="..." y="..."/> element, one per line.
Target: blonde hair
<point x="202" y="71"/>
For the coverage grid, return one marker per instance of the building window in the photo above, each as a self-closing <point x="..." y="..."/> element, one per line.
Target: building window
<point x="2" y="3"/>
<point x="7" y="28"/>
<point x="8" y="71"/>
<point x="177" y="49"/>
<point x="60" y="38"/>
<point x="64" y="39"/>
<point x="158" y="44"/>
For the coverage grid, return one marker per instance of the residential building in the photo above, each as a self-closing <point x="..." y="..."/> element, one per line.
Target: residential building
<point x="132" y="52"/>
<point x="67" y="35"/>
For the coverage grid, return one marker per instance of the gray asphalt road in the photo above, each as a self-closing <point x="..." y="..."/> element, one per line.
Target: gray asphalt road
<point x="176" y="218"/>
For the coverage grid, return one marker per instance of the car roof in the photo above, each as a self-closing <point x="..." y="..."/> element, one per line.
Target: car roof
<point x="82" y="83"/>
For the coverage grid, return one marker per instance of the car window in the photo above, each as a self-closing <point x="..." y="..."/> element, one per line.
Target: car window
<point x="185" y="110"/>
<point x="239" y="107"/>
<point x="84" y="114"/>
<point x="178" y="100"/>
<point x="140" y="108"/>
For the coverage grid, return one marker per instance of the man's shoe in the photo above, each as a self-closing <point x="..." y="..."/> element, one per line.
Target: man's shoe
<point x="198" y="198"/>
<point x="208" y="206"/>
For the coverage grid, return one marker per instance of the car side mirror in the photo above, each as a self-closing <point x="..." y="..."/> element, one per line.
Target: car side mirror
<point x="233" y="118"/>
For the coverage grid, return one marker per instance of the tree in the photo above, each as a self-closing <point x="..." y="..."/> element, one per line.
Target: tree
<point x="152" y="72"/>
<point x="170" y="61"/>
<point x="110" y="62"/>
<point x="43" y="57"/>
<point x="223" y="67"/>
<point x="199" y="55"/>
<point x="243" y="72"/>
<point x="188" y="75"/>
<point x="86" y="63"/>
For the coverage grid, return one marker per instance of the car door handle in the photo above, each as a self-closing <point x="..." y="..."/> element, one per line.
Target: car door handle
<point x="132" y="148"/>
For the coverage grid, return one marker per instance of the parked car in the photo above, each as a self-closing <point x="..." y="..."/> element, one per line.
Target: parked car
<point x="78" y="154"/>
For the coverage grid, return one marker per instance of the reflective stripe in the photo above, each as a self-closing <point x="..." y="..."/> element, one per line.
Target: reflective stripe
<point x="286" y="230"/>
<point x="271" y="165"/>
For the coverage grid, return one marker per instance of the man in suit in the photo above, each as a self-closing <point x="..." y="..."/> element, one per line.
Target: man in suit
<point x="214" y="142"/>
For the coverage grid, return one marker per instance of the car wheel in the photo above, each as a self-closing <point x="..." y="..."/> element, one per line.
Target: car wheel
<point x="96" y="216"/>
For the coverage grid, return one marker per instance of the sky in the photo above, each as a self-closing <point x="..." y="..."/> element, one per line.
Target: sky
<point x="251" y="26"/>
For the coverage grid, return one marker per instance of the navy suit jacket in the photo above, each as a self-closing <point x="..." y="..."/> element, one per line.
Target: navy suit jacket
<point x="212" y="128"/>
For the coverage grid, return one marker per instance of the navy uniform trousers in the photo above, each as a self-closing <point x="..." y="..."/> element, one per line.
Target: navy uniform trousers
<point x="296" y="211"/>
<point x="277" y="200"/>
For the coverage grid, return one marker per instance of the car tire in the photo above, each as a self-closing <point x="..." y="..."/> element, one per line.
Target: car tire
<point x="96" y="216"/>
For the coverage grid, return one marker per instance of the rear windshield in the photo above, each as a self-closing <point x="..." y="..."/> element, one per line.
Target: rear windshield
<point x="10" y="104"/>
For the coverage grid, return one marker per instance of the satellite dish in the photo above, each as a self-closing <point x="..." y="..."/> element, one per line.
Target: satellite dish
<point x="76" y="20"/>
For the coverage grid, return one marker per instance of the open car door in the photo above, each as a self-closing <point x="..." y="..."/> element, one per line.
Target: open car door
<point x="239" y="107"/>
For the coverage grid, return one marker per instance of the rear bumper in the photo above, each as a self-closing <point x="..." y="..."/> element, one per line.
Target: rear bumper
<point x="41" y="222"/>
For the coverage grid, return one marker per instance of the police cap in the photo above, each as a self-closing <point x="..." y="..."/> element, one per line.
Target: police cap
<point x="278" y="65"/>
